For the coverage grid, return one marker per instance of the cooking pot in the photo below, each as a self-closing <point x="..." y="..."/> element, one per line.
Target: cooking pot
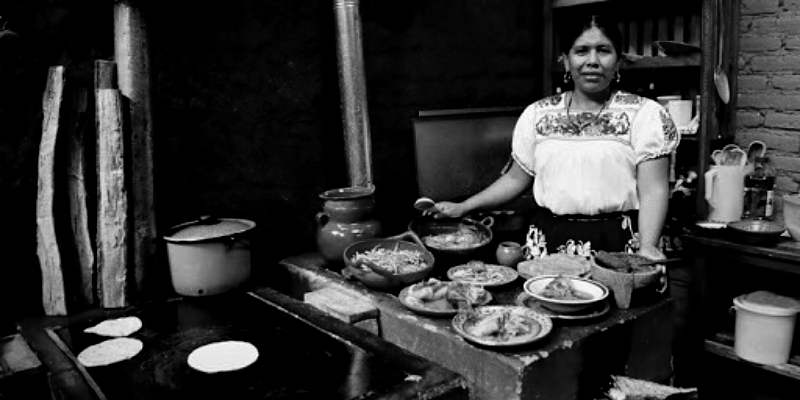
<point x="209" y="256"/>
<point x="427" y="226"/>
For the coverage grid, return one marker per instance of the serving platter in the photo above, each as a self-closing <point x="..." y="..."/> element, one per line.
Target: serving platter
<point x="419" y="307"/>
<point x="540" y="325"/>
<point x="525" y="300"/>
<point x="479" y="273"/>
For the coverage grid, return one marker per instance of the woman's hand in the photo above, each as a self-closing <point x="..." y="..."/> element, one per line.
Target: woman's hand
<point x="446" y="209"/>
<point x="651" y="252"/>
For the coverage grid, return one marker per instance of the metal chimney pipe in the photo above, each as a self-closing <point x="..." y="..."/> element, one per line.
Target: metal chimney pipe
<point x="353" y="91"/>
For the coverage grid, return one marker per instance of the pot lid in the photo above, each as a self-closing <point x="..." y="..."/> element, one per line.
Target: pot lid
<point x="208" y="228"/>
<point x="764" y="302"/>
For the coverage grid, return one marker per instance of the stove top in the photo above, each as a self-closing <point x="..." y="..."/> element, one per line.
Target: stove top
<point x="297" y="359"/>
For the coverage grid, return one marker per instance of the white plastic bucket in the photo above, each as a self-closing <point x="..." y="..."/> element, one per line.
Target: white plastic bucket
<point x="763" y="332"/>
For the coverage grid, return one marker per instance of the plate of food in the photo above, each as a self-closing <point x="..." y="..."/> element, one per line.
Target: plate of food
<point x="480" y="273"/>
<point x="565" y="294"/>
<point x="598" y="310"/>
<point x="437" y="298"/>
<point x="502" y="326"/>
<point x="555" y="264"/>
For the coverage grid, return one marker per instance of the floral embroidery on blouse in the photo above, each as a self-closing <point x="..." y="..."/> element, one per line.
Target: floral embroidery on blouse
<point x="609" y="123"/>
<point x="550" y="101"/>
<point x="668" y="125"/>
<point x="628" y="98"/>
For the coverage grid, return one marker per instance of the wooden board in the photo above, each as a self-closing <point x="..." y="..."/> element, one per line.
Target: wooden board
<point x="79" y="214"/>
<point x="112" y="202"/>
<point x="54" y="299"/>
<point x="131" y="52"/>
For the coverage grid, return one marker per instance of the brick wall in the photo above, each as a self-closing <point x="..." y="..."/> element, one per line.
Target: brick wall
<point x="769" y="84"/>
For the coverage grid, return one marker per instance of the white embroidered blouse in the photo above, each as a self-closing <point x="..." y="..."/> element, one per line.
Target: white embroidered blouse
<point x="587" y="166"/>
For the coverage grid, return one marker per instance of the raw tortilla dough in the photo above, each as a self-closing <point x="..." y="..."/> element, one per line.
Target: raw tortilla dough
<point x="116" y="327"/>
<point x="223" y="356"/>
<point x="110" y="352"/>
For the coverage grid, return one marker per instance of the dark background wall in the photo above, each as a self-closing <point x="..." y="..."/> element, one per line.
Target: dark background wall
<point x="247" y="119"/>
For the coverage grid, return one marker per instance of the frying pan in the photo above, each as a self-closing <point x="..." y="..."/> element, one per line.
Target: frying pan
<point x="427" y="226"/>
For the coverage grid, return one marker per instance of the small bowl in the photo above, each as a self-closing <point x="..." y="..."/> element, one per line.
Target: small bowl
<point x="535" y="286"/>
<point x="757" y="232"/>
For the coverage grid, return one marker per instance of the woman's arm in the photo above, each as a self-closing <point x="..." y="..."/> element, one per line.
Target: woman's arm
<point x="506" y="188"/>
<point x="652" y="177"/>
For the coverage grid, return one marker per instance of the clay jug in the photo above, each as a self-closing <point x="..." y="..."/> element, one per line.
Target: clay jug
<point x="346" y="218"/>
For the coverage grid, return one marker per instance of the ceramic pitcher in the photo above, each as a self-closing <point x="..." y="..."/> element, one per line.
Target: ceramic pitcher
<point x="725" y="192"/>
<point x="346" y="218"/>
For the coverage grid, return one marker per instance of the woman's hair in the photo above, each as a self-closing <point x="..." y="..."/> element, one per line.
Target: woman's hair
<point x="572" y="31"/>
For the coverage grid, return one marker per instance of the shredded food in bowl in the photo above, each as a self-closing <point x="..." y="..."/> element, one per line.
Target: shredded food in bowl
<point x="395" y="260"/>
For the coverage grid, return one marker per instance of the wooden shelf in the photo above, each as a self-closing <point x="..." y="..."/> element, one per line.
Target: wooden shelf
<point x="663" y="62"/>
<point x="722" y="345"/>
<point x="649" y="63"/>
<point x="569" y="3"/>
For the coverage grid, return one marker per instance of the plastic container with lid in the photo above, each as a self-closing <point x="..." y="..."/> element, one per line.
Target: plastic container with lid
<point x="209" y="256"/>
<point x="764" y="327"/>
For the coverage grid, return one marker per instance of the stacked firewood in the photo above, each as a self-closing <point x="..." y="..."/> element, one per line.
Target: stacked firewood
<point x="81" y="269"/>
<point x="106" y="266"/>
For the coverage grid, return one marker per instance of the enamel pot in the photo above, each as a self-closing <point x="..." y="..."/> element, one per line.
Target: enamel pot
<point x="209" y="256"/>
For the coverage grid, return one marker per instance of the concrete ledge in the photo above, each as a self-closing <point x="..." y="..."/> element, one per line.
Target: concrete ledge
<point x="571" y="362"/>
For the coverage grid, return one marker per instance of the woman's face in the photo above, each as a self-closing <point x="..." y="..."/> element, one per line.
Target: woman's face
<point x="592" y="61"/>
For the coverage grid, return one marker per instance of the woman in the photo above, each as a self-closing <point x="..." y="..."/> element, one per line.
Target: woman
<point x="597" y="157"/>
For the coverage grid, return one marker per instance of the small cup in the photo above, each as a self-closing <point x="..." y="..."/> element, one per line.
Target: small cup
<point x="509" y="254"/>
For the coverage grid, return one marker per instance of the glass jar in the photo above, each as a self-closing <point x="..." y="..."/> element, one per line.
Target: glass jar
<point x="759" y="190"/>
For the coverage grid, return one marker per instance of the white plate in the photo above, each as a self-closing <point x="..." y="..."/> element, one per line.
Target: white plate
<point x="473" y="272"/>
<point x="526" y="300"/>
<point x="712" y="225"/>
<point x="541" y="325"/>
<point x="420" y="308"/>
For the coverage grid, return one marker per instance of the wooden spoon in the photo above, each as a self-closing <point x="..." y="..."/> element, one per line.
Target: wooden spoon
<point x="424" y="204"/>
<point x="756" y="149"/>
<point x="720" y="76"/>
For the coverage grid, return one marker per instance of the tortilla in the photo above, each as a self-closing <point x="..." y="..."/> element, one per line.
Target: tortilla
<point x="116" y="327"/>
<point x="223" y="356"/>
<point x="554" y="264"/>
<point x="110" y="351"/>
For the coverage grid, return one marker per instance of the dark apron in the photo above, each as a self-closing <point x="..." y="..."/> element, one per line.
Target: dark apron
<point x="604" y="231"/>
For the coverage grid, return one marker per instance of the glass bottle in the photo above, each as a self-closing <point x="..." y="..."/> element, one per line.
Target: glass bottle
<point x="758" y="190"/>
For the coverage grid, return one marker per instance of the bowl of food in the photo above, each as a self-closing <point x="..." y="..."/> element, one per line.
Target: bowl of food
<point x="565" y="294"/>
<point x="609" y="266"/>
<point x="387" y="264"/>
<point x="453" y="236"/>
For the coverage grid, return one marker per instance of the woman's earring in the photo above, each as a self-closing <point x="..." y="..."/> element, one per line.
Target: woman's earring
<point x="619" y="76"/>
<point x="567" y="77"/>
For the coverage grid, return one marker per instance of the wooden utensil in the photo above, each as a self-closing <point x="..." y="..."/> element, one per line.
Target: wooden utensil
<point x="719" y="157"/>
<point x="720" y="76"/>
<point x="424" y="204"/>
<point x="736" y="157"/>
<point x="756" y="149"/>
